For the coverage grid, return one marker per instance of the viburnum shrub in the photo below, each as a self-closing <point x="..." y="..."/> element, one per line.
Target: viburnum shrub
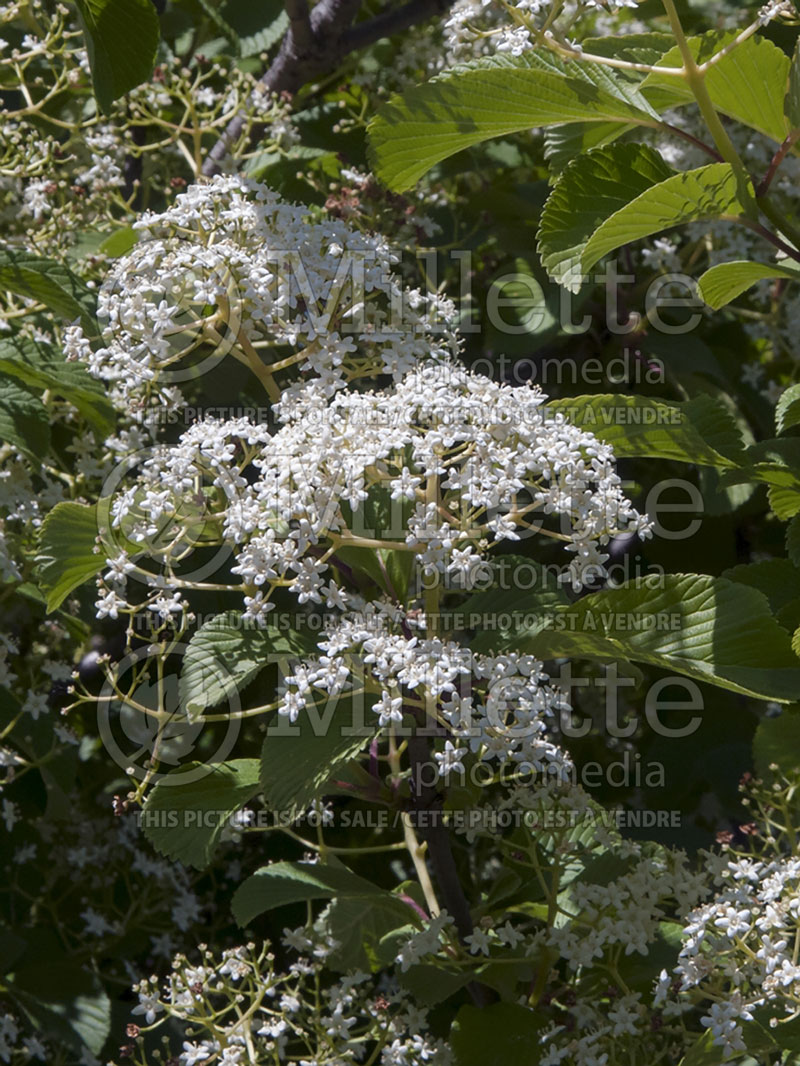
<point x="367" y="694"/>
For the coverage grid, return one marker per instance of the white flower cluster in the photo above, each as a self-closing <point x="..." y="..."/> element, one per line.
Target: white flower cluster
<point x="746" y="939"/>
<point x="253" y="1013"/>
<point x="494" y="706"/>
<point x="457" y="459"/>
<point x="232" y="271"/>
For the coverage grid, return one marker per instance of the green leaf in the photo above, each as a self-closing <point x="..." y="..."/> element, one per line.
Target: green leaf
<point x="66" y="551"/>
<point x="593" y="187"/>
<point x="777" y="741"/>
<point x="778" y="579"/>
<point x="225" y="654"/>
<point x="747" y="85"/>
<point x="793" y="541"/>
<point x="497" y="1035"/>
<point x="787" y="412"/>
<point x="297" y="761"/>
<point x="43" y="368"/>
<point x="708" y="192"/>
<point x="24" y="421"/>
<point x="297" y="882"/>
<point x="791" y="103"/>
<point x="366" y="935"/>
<point x="184" y="821"/>
<point x="490" y="98"/>
<point x="708" y="628"/>
<point x="723" y="283"/>
<point x="430" y="985"/>
<point x="119" y="242"/>
<point x="696" y="431"/>
<point x="50" y="283"/>
<point x="121" y="38"/>
<point x="64" y="1002"/>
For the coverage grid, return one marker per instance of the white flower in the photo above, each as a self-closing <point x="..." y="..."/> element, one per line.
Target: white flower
<point x="148" y="1006"/>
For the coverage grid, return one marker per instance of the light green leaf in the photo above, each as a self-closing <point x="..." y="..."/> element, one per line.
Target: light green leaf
<point x="121" y="39"/>
<point x="24" y="421"/>
<point x="225" y="654"/>
<point x="784" y="500"/>
<point x="708" y="628"/>
<point x="592" y="188"/>
<point x="696" y="431"/>
<point x="747" y="85"/>
<point x="184" y="821"/>
<point x="692" y="196"/>
<point x="787" y="412"/>
<point x="724" y="282"/>
<point x="489" y="98"/>
<point x="50" y="283"/>
<point x="119" y="242"/>
<point x="66" y="551"/>
<point x="298" y="760"/>
<point x="43" y="368"/>
<point x="297" y="882"/>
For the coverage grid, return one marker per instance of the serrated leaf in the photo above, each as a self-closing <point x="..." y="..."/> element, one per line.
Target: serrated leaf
<point x="707" y="628"/>
<point x="489" y="98"/>
<point x="778" y="579"/>
<point x="24" y="421"/>
<point x="50" y="283"/>
<point x="66" y="551"/>
<point x="787" y="411"/>
<point x="724" y="282"/>
<point x="709" y="192"/>
<point x="690" y="432"/>
<point x="298" y="760"/>
<point x="747" y="85"/>
<point x="591" y="189"/>
<point x="297" y="882"/>
<point x="121" y="38"/>
<point x="184" y="821"/>
<point x="43" y="368"/>
<point x="225" y="654"/>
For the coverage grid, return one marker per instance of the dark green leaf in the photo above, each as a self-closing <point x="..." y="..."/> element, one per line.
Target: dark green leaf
<point x="121" y="38"/>
<point x="66" y="554"/>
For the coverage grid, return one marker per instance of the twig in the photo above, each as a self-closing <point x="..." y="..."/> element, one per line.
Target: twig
<point x="315" y="44"/>
<point x="786" y="147"/>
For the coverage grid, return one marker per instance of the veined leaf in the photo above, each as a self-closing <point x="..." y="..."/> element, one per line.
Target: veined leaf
<point x="36" y="365"/>
<point x="592" y="188"/>
<point x="298" y="760"/>
<point x="184" y="821"/>
<point x="497" y="1035"/>
<point x="225" y="654"/>
<point x="707" y="628"/>
<point x="724" y="282"/>
<point x="66" y="556"/>
<point x="50" y="283"/>
<point x="299" y="882"/>
<point x="747" y="85"/>
<point x="121" y="39"/>
<point x="699" y="431"/>
<point x="23" y="420"/>
<point x="489" y="98"/>
<point x="692" y="196"/>
<point x="787" y="412"/>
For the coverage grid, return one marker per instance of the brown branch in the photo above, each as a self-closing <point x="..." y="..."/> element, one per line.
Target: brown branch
<point x="315" y="44"/>
<point x="786" y="147"/>
<point x="429" y="811"/>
